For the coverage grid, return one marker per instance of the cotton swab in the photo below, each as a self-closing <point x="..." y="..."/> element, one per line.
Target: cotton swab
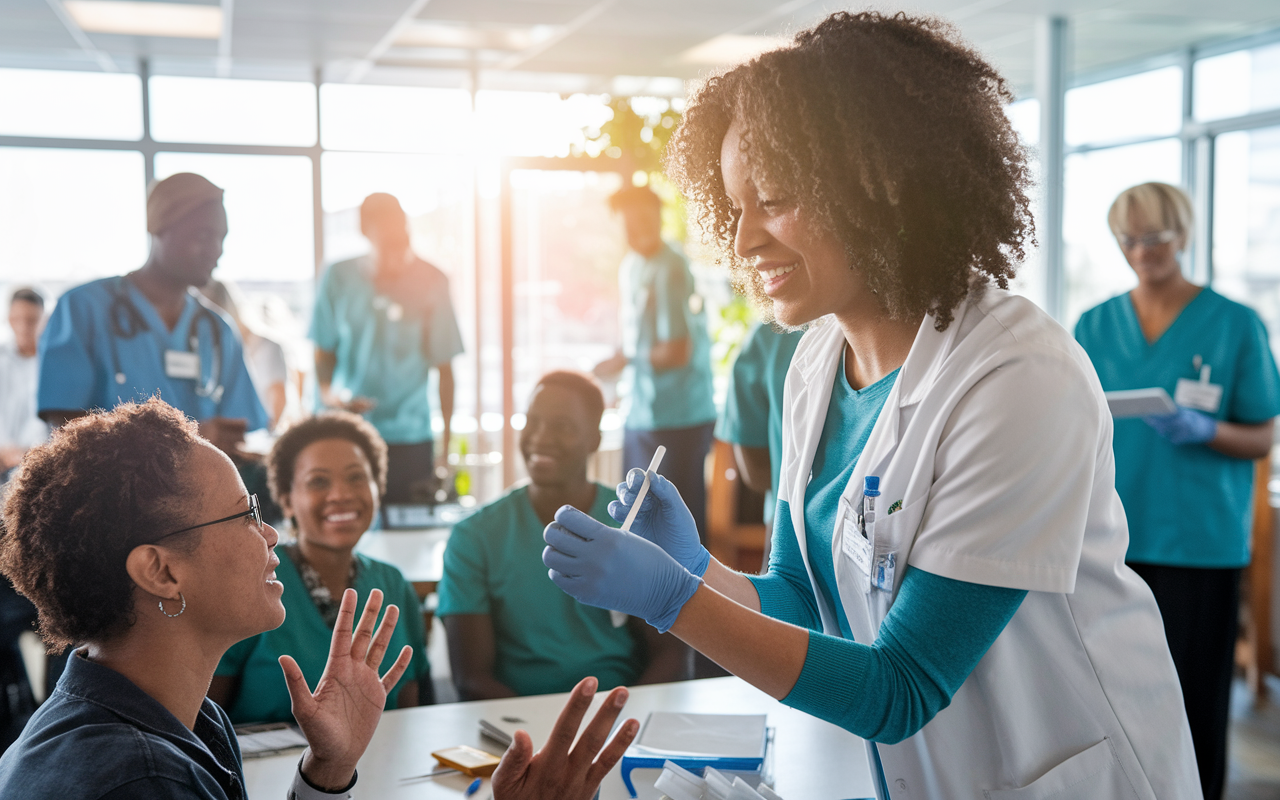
<point x="644" y="487"/>
<point x="617" y="617"/>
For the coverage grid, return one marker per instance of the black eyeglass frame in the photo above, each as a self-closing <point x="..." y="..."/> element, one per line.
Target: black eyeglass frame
<point x="254" y="511"/>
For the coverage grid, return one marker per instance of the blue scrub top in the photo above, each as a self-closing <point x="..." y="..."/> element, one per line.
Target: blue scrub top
<point x="658" y="305"/>
<point x="387" y="344"/>
<point x="81" y="353"/>
<point x="1188" y="505"/>
<point x="752" y="414"/>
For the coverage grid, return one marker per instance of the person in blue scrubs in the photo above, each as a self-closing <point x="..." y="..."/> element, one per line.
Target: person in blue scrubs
<point x="1186" y="479"/>
<point x="752" y="416"/>
<point x="666" y="354"/>
<point x="126" y="338"/>
<point x="382" y="324"/>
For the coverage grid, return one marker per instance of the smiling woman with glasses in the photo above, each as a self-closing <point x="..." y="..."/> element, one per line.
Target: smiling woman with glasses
<point x="1186" y="479"/>
<point x="139" y="546"/>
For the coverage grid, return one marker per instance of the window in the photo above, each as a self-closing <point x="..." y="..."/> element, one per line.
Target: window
<point x="1095" y="267"/>
<point x="70" y="216"/>
<point x="1246" y="222"/>
<point x="1238" y="83"/>
<point x="535" y="123"/>
<point x="395" y="119"/>
<point x="74" y="105"/>
<point x="223" y="111"/>
<point x="1148" y="104"/>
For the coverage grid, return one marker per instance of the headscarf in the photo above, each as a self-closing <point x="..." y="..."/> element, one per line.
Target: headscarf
<point x="175" y="197"/>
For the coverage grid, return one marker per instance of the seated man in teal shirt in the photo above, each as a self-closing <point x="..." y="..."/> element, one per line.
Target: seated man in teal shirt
<point x="511" y="631"/>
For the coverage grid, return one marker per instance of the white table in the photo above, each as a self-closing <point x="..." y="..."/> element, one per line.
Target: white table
<point x="812" y="759"/>
<point x="419" y="554"/>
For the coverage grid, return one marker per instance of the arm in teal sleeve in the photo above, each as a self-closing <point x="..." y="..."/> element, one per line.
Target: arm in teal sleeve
<point x="785" y="590"/>
<point x="936" y="632"/>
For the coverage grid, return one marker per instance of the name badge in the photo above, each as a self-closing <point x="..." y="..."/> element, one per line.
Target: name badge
<point x="1200" y="395"/>
<point x="855" y="547"/>
<point x="182" y="365"/>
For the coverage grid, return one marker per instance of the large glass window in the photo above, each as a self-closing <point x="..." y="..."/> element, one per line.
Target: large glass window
<point x="1238" y="83"/>
<point x="1246" y="222"/>
<point x="70" y="216"/>
<point x="1095" y="267"/>
<point x="395" y="119"/>
<point x="222" y="111"/>
<point x="1133" y="107"/>
<point x="270" y="246"/>
<point x="74" y="105"/>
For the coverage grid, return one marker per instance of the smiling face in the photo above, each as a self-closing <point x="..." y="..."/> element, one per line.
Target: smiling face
<point x="801" y="265"/>
<point x="559" y="435"/>
<point x="188" y="250"/>
<point x="229" y="580"/>
<point x="334" y="495"/>
<point x="1154" y="262"/>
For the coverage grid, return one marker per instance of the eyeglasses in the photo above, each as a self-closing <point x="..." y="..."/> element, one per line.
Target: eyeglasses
<point x="254" y="511"/>
<point x="1147" y="239"/>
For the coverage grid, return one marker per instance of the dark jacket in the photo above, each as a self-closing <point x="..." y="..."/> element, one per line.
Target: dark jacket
<point x="100" y="736"/>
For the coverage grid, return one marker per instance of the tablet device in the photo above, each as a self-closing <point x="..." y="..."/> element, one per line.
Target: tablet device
<point x="1153" y="402"/>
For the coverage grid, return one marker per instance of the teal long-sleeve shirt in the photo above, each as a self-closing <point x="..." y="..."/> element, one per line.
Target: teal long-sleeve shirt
<point x="937" y="629"/>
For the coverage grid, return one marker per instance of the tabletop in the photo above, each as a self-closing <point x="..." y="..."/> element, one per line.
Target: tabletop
<point x="419" y="554"/>
<point x="811" y="759"/>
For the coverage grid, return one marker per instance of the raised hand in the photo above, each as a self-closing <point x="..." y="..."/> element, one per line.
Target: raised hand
<point x="663" y="519"/>
<point x="608" y="568"/>
<point x="340" y="716"/>
<point x="561" y="770"/>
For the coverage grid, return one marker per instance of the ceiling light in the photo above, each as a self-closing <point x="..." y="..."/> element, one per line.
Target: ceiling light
<point x="731" y="49"/>
<point x="443" y="34"/>
<point x="147" y="19"/>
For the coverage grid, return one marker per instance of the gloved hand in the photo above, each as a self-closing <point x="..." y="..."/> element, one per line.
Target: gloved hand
<point x="664" y="519"/>
<point x="1185" y="426"/>
<point x="613" y="569"/>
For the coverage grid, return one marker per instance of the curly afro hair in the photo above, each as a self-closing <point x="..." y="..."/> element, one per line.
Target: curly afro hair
<point x="353" y="428"/>
<point x="102" y="485"/>
<point x="889" y="132"/>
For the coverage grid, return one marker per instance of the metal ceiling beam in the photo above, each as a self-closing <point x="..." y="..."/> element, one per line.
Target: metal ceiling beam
<point x="81" y="38"/>
<point x="224" y="39"/>
<point x="362" y="67"/>
<point x="573" y="26"/>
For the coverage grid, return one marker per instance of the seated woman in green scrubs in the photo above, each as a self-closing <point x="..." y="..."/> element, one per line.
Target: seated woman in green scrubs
<point x="327" y="473"/>
<point x="1186" y="479"/>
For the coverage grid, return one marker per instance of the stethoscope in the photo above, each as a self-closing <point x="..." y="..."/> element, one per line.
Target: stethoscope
<point x="127" y="322"/>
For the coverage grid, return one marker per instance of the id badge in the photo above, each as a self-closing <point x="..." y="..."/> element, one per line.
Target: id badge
<point x="182" y="365"/>
<point x="1200" y="395"/>
<point x="855" y="546"/>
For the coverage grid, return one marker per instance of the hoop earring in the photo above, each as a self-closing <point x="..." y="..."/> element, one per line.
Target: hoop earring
<point x="171" y="616"/>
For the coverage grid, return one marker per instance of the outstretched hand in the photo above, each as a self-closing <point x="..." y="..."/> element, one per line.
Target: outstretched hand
<point x="562" y="770"/>
<point x="340" y="716"/>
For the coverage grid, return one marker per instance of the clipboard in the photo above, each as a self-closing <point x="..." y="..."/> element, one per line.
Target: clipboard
<point x="1153" y="402"/>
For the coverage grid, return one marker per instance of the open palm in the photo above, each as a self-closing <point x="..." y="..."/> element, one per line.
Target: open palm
<point x="341" y="715"/>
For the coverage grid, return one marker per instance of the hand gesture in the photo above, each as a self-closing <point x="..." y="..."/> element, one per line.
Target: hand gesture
<point x="561" y="770"/>
<point x="608" y="568"/>
<point x="664" y="519"/>
<point x="340" y="716"/>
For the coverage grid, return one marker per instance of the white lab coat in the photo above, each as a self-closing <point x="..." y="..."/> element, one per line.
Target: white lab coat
<point x="995" y="446"/>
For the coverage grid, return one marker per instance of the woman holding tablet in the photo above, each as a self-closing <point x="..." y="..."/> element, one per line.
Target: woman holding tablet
<point x="1186" y="479"/>
<point x="974" y="620"/>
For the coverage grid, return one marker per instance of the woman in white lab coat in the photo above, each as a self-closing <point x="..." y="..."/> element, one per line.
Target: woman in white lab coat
<point x="974" y="620"/>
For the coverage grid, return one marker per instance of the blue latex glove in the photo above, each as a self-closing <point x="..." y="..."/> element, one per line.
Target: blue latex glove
<point x="1185" y="426"/>
<point x="608" y="568"/>
<point x="664" y="519"/>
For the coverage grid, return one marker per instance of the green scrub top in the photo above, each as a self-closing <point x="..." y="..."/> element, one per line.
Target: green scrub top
<point x="264" y="696"/>
<point x="1188" y="505"/>
<point x="753" y="406"/>
<point x="386" y="345"/>
<point x="545" y="640"/>
<point x="659" y="304"/>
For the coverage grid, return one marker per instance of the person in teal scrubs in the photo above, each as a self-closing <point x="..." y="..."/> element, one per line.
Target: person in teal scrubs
<point x="1186" y="479"/>
<point x="665" y="359"/>
<point x="326" y="472"/>
<point x="384" y="328"/>
<point x="752" y="417"/>
<point x="511" y="631"/>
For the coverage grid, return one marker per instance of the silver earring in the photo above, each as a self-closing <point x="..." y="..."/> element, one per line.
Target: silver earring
<point x="171" y="616"/>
